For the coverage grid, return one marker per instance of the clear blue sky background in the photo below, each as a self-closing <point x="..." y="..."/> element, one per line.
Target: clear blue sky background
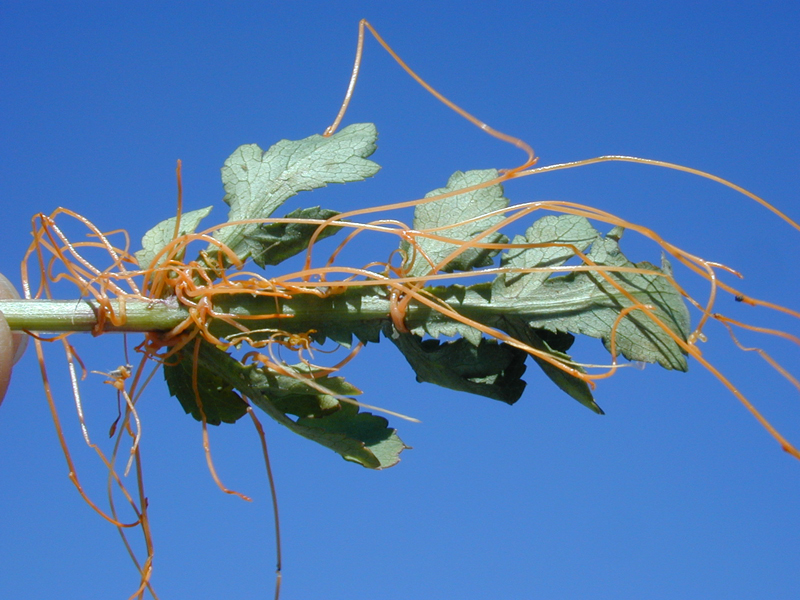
<point x="675" y="493"/>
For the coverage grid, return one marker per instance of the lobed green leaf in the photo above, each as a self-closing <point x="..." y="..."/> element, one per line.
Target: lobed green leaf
<point x="157" y="238"/>
<point x="275" y="242"/>
<point x="256" y="182"/>
<point x="586" y="302"/>
<point x="221" y="404"/>
<point x="487" y="369"/>
<point x="452" y="217"/>
<point x="358" y="437"/>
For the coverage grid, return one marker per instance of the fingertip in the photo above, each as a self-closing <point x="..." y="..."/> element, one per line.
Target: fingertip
<point x="12" y="344"/>
<point x="6" y="355"/>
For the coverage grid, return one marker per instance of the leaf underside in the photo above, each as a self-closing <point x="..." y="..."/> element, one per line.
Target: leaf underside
<point x="455" y="213"/>
<point x="157" y="238"/>
<point x="359" y="437"/>
<point x="257" y="182"/>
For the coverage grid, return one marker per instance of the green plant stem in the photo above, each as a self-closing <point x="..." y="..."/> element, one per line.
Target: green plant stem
<point x="81" y="315"/>
<point x="298" y="314"/>
<point x="353" y="309"/>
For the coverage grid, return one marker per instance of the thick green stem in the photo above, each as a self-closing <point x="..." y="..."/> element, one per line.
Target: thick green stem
<point x="353" y="309"/>
<point x="81" y="315"/>
<point x="300" y="313"/>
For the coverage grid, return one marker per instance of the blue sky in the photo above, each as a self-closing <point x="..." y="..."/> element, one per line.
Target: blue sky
<point x="675" y="492"/>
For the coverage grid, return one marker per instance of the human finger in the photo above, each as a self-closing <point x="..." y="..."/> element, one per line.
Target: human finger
<point x="12" y="344"/>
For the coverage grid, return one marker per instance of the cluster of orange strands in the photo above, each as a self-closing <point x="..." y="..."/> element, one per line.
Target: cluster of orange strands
<point x="195" y="285"/>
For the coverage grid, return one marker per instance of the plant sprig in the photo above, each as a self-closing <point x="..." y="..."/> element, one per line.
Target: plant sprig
<point x="474" y="338"/>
